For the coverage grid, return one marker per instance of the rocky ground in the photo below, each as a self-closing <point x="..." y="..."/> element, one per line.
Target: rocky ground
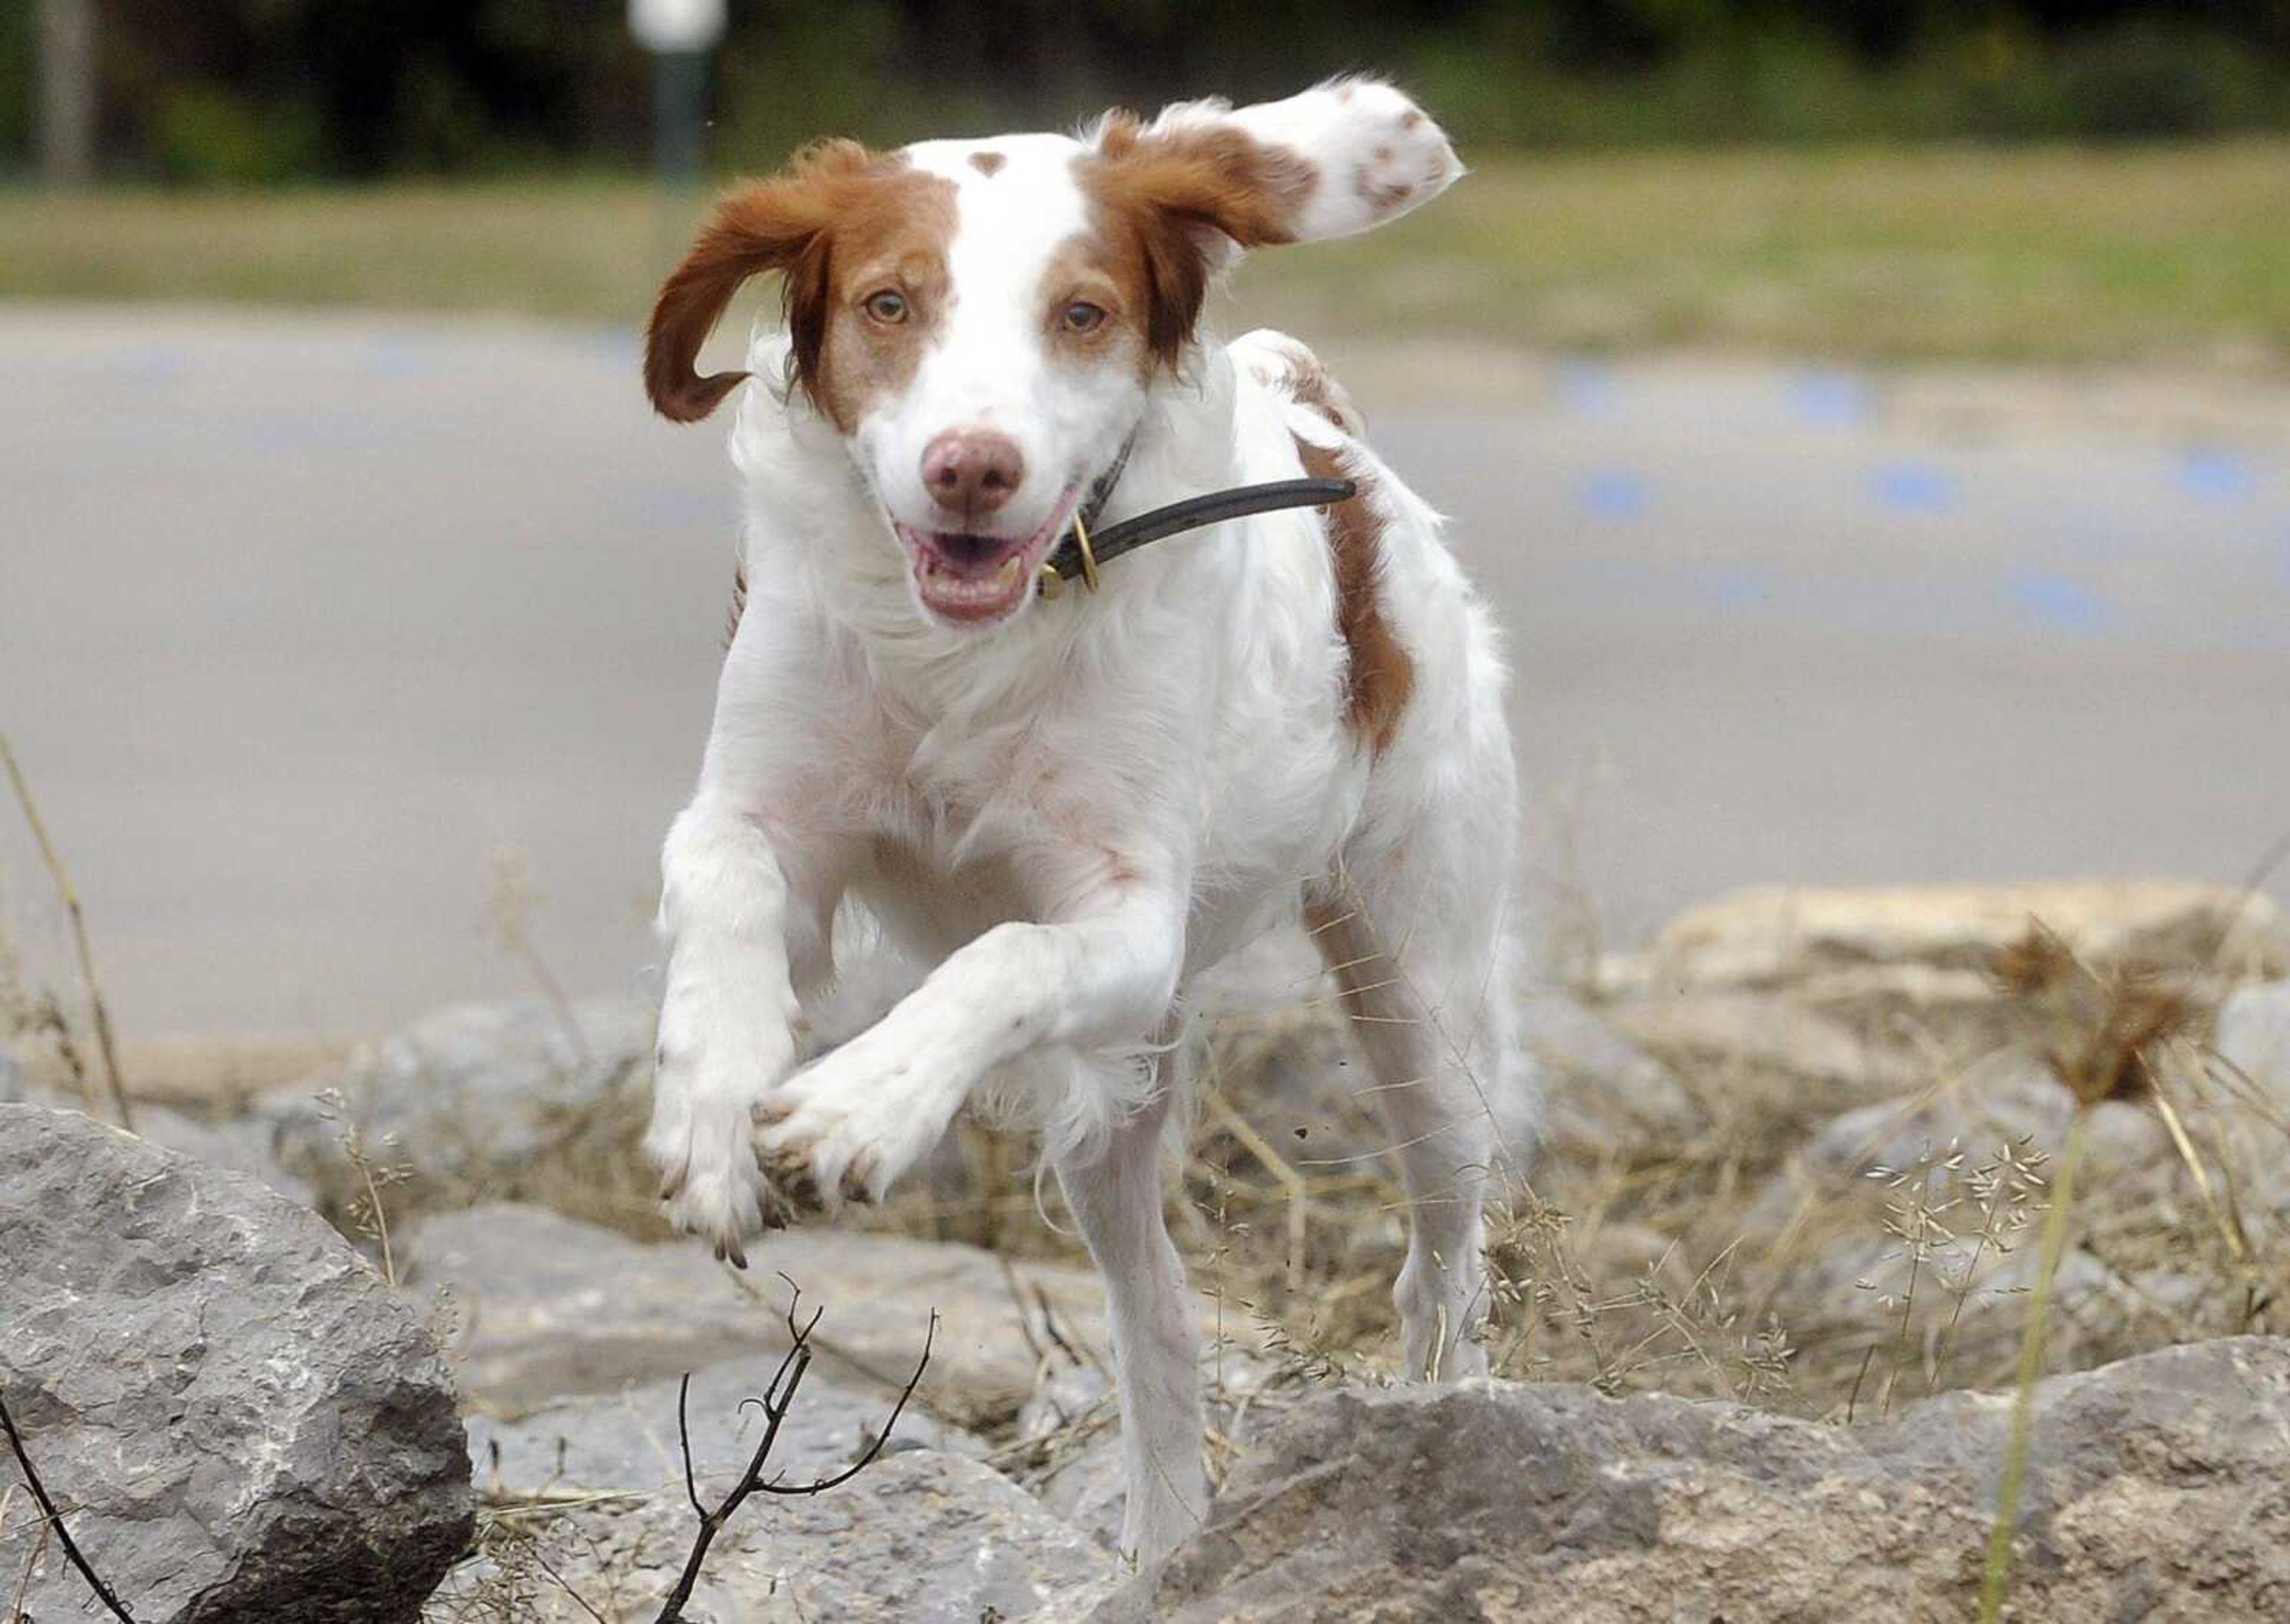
<point x="405" y="1341"/>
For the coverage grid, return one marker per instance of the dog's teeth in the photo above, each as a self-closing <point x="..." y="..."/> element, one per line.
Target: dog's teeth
<point x="1008" y="572"/>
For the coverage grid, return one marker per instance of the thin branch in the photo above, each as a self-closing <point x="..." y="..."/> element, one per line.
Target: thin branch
<point x="100" y="1013"/>
<point x="565" y="1585"/>
<point x="684" y="1441"/>
<point x="55" y="1518"/>
<point x="930" y="1335"/>
<point x="777" y="1402"/>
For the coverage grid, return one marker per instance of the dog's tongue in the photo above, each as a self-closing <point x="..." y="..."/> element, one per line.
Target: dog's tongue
<point x="970" y="556"/>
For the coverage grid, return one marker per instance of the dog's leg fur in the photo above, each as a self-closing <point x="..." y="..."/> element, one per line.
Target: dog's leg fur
<point x="1115" y="1192"/>
<point x="727" y="1018"/>
<point x="853" y="1120"/>
<point x="1430" y="1007"/>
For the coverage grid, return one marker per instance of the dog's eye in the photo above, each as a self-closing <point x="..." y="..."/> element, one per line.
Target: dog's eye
<point x="886" y="307"/>
<point x="1081" y="316"/>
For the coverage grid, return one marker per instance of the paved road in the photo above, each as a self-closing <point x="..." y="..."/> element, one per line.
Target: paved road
<point x="302" y="617"/>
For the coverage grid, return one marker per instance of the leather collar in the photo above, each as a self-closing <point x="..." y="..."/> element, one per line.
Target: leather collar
<point x="1083" y="547"/>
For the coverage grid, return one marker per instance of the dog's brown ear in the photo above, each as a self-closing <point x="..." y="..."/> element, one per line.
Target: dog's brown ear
<point x="782" y="224"/>
<point x="1186" y="198"/>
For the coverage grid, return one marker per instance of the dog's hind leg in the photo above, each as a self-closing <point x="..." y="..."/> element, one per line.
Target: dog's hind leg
<point x="1416" y="938"/>
<point x="1113" y="1185"/>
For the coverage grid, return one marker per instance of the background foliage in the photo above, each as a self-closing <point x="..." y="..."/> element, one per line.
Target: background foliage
<point x="259" y="91"/>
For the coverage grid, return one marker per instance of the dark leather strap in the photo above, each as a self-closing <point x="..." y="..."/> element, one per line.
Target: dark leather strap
<point x="1191" y="514"/>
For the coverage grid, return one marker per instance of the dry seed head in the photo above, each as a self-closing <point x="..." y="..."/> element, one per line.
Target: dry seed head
<point x="2099" y="1031"/>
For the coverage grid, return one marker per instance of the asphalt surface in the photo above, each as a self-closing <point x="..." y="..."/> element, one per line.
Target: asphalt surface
<point x="304" y="620"/>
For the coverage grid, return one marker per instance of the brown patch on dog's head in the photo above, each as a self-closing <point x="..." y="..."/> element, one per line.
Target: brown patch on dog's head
<point x="988" y="163"/>
<point x="1381" y="675"/>
<point x="1094" y="268"/>
<point x="1163" y="197"/>
<point x="839" y="213"/>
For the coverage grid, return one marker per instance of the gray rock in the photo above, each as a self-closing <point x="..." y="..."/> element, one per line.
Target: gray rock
<point x="2158" y="1488"/>
<point x="919" y="1538"/>
<point x="1076" y="1421"/>
<point x="466" y="1097"/>
<point x="619" y="1441"/>
<point x="250" y="1423"/>
<point x="2253" y="1035"/>
<point x="1860" y="991"/>
<point x="1786" y="936"/>
<point x="1723" y="1039"/>
<point x="2006" y="1100"/>
<point x="1603" y="1095"/>
<point x="550" y="1307"/>
<point x="241" y="1144"/>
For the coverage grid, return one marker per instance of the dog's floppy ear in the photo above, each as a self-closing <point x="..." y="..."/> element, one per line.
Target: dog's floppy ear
<point x="1205" y="179"/>
<point x="782" y="224"/>
<point x="1349" y="155"/>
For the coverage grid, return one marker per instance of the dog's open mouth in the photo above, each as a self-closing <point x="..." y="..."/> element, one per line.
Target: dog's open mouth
<point x="970" y="577"/>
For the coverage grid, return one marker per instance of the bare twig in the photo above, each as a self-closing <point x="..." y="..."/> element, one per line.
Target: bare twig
<point x="565" y="1585"/>
<point x="99" y="1011"/>
<point x="778" y="1399"/>
<point x="55" y="1519"/>
<point x="15" y="1613"/>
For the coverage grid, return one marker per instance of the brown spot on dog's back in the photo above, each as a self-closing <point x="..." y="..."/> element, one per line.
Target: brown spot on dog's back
<point x="1310" y="383"/>
<point x="988" y="163"/>
<point x="1381" y="675"/>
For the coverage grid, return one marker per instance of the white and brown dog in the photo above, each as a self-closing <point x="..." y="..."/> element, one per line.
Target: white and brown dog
<point x="1061" y="809"/>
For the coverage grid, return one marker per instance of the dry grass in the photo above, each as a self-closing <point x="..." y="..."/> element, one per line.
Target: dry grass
<point x="1643" y="1266"/>
<point x="1723" y="1262"/>
<point x="2058" y="254"/>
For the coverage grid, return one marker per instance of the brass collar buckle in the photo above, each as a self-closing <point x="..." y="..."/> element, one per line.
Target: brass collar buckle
<point x="1052" y="583"/>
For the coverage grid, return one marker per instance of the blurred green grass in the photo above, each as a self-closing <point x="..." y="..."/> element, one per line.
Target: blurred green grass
<point x="2178" y="253"/>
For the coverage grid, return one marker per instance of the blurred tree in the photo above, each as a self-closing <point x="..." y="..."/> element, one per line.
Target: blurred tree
<point x="68" y="90"/>
<point x="259" y="89"/>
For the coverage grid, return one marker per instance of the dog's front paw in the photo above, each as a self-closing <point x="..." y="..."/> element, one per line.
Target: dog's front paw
<point x="702" y="1141"/>
<point x="850" y="1124"/>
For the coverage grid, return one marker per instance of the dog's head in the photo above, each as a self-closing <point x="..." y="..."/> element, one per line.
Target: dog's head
<point x="982" y="321"/>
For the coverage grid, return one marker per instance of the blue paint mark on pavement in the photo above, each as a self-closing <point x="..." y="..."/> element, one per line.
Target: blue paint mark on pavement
<point x="1614" y="493"/>
<point x="2054" y="600"/>
<point x="2215" y="475"/>
<point x="1733" y="585"/>
<point x="1831" y="398"/>
<point x="1588" y="388"/>
<point x="1912" y="487"/>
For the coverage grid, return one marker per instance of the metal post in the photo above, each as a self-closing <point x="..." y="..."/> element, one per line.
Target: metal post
<point x="679" y="116"/>
<point x="66" y="72"/>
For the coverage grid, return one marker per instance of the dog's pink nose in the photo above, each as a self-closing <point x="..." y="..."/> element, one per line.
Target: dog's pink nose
<point x="973" y="471"/>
